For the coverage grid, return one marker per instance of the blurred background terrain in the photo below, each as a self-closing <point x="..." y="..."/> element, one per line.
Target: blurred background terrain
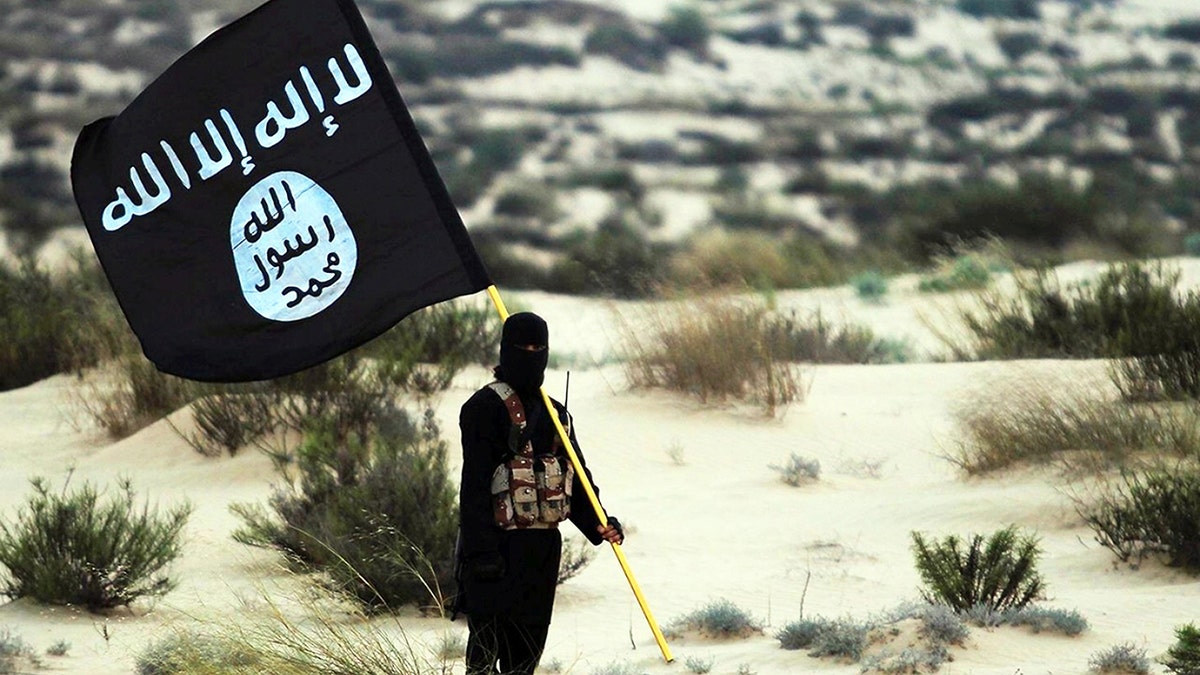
<point x="623" y="147"/>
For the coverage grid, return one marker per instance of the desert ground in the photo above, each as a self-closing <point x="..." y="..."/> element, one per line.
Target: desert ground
<point x="708" y="517"/>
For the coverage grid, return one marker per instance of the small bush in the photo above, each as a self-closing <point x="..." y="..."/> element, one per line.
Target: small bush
<point x="719" y="619"/>
<point x="688" y="350"/>
<point x="59" y="648"/>
<point x="1183" y="658"/>
<point x="984" y="615"/>
<point x="826" y="637"/>
<point x="372" y="507"/>
<point x="963" y="272"/>
<point x="1156" y="512"/>
<point x="622" y="42"/>
<point x="527" y="201"/>
<point x="843" y="638"/>
<point x="576" y="555"/>
<point x="1130" y="311"/>
<point x="615" y="260"/>
<point x="698" y="665"/>
<point x="685" y="27"/>
<point x="798" y="470"/>
<point x="51" y="323"/>
<point x="908" y="660"/>
<point x="999" y="571"/>
<point x="1126" y="657"/>
<point x="942" y="625"/>
<point x="178" y="654"/>
<point x="815" y="340"/>
<point x="15" y="655"/>
<point x="71" y="549"/>
<point x="1191" y="244"/>
<point x="870" y="286"/>
<point x="1067" y="622"/>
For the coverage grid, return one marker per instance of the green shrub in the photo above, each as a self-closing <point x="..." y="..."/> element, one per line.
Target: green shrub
<point x="1126" y="657"/>
<point x="52" y="323"/>
<point x="1156" y="512"/>
<point x="798" y="470"/>
<point x="70" y="548"/>
<point x="1011" y="9"/>
<point x="685" y="27"/>
<point x="687" y="349"/>
<point x="870" y="286"/>
<point x="372" y="507"/>
<point x="814" y="340"/>
<point x="999" y="571"/>
<point x="963" y="272"/>
<point x="528" y="201"/>
<point x="1184" y="29"/>
<point x="623" y="43"/>
<point x="719" y="619"/>
<point x="1131" y="310"/>
<point x="1183" y="658"/>
<point x="1191" y="244"/>
<point x="1017" y="422"/>
<point x="615" y="260"/>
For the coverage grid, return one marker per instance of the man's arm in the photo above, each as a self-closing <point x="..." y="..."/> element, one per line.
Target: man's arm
<point x="481" y="445"/>
<point x="582" y="514"/>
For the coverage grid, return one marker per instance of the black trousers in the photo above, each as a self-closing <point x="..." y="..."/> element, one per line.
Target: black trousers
<point x="515" y="646"/>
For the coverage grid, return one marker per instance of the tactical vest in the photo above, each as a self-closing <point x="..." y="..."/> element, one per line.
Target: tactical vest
<point x="529" y="491"/>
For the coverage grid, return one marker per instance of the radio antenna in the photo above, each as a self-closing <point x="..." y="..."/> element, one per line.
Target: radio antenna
<point x="567" y="393"/>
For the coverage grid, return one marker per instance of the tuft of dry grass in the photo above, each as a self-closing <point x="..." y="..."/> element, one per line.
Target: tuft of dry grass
<point x="1015" y="422"/>
<point x="714" y="349"/>
<point x="321" y="643"/>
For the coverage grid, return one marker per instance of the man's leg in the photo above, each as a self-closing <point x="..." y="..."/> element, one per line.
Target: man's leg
<point x="521" y="646"/>
<point x="483" y="645"/>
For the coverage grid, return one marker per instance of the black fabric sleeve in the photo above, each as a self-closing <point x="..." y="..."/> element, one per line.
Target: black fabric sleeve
<point x="483" y="421"/>
<point x="582" y="514"/>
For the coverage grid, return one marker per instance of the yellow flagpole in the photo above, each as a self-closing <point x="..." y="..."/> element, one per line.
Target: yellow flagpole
<point x="595" y="501"/>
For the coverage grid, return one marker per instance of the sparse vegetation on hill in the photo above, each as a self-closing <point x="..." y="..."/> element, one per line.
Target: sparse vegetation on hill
<point x="1045" y="422"/>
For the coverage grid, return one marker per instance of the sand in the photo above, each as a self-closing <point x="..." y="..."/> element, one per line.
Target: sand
<point x="718" y="525"/>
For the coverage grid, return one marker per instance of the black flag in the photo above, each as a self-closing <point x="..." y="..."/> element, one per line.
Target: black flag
<point x="266" y="203"/>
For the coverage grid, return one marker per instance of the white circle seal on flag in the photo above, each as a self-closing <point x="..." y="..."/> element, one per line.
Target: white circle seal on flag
<point x="292" y="247"/>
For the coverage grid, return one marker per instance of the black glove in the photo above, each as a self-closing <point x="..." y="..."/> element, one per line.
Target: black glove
<point x="485" y="567"/>
<point x="616" y="525"/>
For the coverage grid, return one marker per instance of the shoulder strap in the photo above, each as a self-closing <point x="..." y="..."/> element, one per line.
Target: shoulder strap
<point x="516" y="414"/>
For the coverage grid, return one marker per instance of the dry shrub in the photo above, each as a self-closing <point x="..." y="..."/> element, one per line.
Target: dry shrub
<point x="129" y="393"/>
<point x="715" y="350"/>
<point x="735" y="259"/>
<point x="1037" y="422"/>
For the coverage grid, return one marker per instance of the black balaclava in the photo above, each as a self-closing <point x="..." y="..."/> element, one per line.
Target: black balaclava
<point x="522" y="369"/>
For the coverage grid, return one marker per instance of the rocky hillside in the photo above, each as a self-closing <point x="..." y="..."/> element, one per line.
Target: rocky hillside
<point x="586" y="137"/>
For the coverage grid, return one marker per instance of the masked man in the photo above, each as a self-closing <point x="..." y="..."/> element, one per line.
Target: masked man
<point x="517" y="486"/>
